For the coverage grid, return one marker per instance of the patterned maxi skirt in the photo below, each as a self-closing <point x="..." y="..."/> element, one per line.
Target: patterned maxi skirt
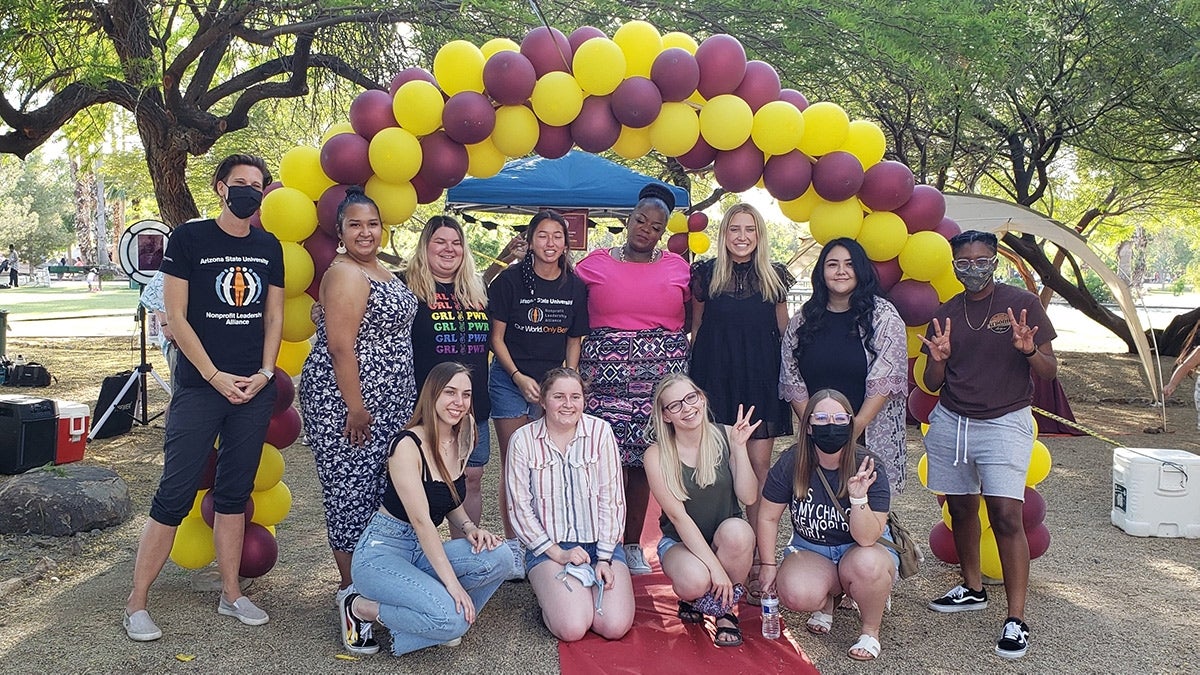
<point x="622" y="367"/>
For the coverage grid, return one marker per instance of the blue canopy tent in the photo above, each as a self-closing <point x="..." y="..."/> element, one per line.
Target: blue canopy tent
<point x="579" y="180"/>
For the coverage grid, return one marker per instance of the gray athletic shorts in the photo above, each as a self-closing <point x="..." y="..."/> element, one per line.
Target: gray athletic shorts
<point x="969" y="456"/>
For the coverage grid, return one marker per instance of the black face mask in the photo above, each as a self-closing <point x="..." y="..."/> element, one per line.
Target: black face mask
<point x="243" y="200"/>
<point x="829" y="438"/>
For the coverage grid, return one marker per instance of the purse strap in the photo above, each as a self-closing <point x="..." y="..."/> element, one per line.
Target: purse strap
<point x="846" y="513"/>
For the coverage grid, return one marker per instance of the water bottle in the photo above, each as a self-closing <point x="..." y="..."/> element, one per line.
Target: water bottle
<point x="770" y="615"/>
<point x="20" y="360"/>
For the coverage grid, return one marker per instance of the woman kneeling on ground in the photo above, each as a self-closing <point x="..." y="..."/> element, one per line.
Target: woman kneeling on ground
<point x="835" y="545"/>
<point x="567" y="506"/>
<point x="425" y="591"/>
<point x="698" y="472"/>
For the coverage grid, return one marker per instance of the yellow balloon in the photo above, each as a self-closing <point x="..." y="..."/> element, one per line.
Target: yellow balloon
<point x="599" y="66"/>
<point x="288" y="214"/>
<point x="865" y="140"/>
<point x="417" y="107"/>
<point x="698" y="242"/>
<point x="924" y="428"/>
<point x="557" y="98"/>
<point x="985" y="523"/>
<point x="925" y="256"/>
<point x="271" y="505"/>
<point x="677" y="223"/>
<point x="923" y="469"/>
<point x="697" y="99"/>
<point x="883" y="235"/>
<point x="1035" y="426"/>
<point x="300" y="168"/>
<point x="395" y="155"/>
<point x="291" y="356"/>
<point x="335" y="129"/>
<point x="989" y="555"/>
<point x="912" y="343"/>
<point x="825" y="128"/>
<point x="726" y="122"/>
<point x="193" y="546"/>
<point x="919" y="367"/>
<point x="270" y="468"/>
<point x="458" y="66"/>
<point x="947" y="285"/>
<point x="777" y="128"/>
<point x="483" y="159"/>
<point x="298" y="269"/>
<point x="675" y="130"/>
<point x="386" y="239"/>
<point x="497" y="45"/>
<point x="683" y="41"/>
<point x="830" y="220"/>
<point x="516" y="131"/>
<point x="632" y="143"/>
<point x="297" y="318"/>
<point x="641" y="44"/>
<point x="800" y="209"/>
<point x="396" y="201"/>
<point x="1039" y="464"/>
<point x="195" y="512"/>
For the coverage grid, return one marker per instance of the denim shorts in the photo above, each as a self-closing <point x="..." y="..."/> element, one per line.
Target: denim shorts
<point x="532" y="561"/>
<point x="665" y="545"/>
<point x="507" y="400"/>
<point x="834" y="553"/>
<point x="970" y="456"/>
<point x="483" y="445"/>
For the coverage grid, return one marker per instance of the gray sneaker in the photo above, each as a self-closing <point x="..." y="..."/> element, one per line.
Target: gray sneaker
<point x="243" y="610"/>
<point x="636" y="560"/>
<point x="140" y="627"/>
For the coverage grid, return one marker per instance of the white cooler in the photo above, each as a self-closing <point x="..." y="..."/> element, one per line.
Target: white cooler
<point x="1156" y="492"/>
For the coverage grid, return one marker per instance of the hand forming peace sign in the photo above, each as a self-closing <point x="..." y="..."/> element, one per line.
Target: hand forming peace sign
<point x="1022" y="334"/>
<point x="742" y="428"/>
<point x="863" y="479"/>
<point x="939" y="346"/>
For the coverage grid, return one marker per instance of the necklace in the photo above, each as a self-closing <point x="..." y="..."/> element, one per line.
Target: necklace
<point x="986" y="316"/>
<point x="654" y="255"/>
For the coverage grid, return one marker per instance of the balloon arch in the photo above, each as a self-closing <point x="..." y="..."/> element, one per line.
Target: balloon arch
<point x="703" y="103"/>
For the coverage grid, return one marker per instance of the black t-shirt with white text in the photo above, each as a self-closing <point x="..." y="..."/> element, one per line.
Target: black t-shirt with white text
<point x="538" y="325"/>
<point x="227" y="280"/>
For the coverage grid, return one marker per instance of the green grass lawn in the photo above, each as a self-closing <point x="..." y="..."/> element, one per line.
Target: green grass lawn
<point x="69" y="298"/>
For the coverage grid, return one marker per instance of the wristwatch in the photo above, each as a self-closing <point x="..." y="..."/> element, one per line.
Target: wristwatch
<point x="267" y="373"/>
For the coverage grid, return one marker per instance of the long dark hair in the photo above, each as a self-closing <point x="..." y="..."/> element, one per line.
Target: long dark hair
<point x="528" y="276"/>
<point x="862" y="299"/>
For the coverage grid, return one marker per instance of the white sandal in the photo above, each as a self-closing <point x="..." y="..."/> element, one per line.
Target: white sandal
<point x="866" y="643"/>
<point x="819" y="623"/>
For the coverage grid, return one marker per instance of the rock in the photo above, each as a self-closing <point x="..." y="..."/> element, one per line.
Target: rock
<point x="63" y="500"/>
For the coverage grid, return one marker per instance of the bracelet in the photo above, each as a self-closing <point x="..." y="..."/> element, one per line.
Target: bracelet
<point x="267" y="373"/>
<point x="858" y="500"/>
<point x="767" y="564"/>
<point x="210" y="377"/>
<point x="1030" y="353"/>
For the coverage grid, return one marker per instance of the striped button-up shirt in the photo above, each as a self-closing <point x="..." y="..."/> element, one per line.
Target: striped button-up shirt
<point x="574" y="494"/>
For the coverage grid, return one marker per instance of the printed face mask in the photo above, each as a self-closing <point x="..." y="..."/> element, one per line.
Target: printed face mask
<point x="243" y="200"/>
<point x="974" y="280"/>
<point x="829" y="438"/>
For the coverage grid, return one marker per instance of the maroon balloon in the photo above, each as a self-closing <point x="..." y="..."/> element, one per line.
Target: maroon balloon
<point x="794" y="97"/>
<point x="583" y="34"/>
<point x="256" y="220"/>
<point x="260" y="551"/>
<point x="345" y="158"/>
<point x="941" y="499"/>
<point x="788" y="176"/>
<point x="444" y="162"/>
<point x="924" y="210"/>
<point x="921" y="404"/>
<point x="209" y="477"/>
<point x="548" y="50"/>
<point x="468" y="117"/>
<point x="722" y="63"/>
<point x="676" y="73"/>
<point x="427" y="193"/>
<point x="285" y="391"/>
<point x="595" y="129"/>
<point x="327" y="207"/>
<point x="284" y="428"/>
<point x="678" y="243"/>
<point x="941" y="543"/>
<point x="700" y="156"/>
<point x="1033" y="511"/>
<point x="208" y="513"/>
<point x="759" y="86"/>
<point x="553" y="142"/>
<point x="1039" y="541"/>
<point x="948" y="229"/>
<point x="886" y="186"/>
<point x="636" y="102"/>
<point x="322" y="248"/>
<point x="509" y="78"/>
<point x="370" y="113"/>
<point x="697" y="221"/>
<point x="888" y="272"/>
<point x="271" y="187"/>
<point x="408" y="75"/>
<point x="915" y="300"/>
<point x="837" y="176"/>
<point x="739" y="169"/>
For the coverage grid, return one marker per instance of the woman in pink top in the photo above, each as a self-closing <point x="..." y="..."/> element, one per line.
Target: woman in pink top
<point x="637" y="294"/>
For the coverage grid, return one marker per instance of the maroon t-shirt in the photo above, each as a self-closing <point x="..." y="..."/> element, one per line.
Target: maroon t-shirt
<point x="986" y="376"/>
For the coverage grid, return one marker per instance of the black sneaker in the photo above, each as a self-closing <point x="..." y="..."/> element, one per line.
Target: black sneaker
<point x="1014" y="639"/>
<point x="960" y="599"/>
<point x="356" y="633"/>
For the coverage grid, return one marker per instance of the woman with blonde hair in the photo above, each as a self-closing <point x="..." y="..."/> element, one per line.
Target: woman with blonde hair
<point x="699" y="472"/>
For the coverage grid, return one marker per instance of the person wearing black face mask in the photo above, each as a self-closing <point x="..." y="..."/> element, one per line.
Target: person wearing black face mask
<point x="839" y="500"/>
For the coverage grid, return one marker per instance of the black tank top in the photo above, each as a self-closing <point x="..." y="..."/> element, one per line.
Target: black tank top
<point x="437" y="493"/>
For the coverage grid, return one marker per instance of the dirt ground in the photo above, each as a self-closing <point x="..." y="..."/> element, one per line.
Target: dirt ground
<point x="1100" y="600"/>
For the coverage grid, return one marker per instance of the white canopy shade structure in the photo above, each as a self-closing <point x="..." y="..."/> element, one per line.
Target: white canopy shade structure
<point x="975" y="212"/>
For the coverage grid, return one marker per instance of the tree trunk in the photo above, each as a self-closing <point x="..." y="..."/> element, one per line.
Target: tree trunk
<point x="167" y="158"/>
<point x="84" y="209"/>
<point x="1172" y="340"/>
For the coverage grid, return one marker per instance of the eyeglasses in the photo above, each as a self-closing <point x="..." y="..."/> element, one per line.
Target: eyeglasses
<point x="675" y="406"/>
<point x="821" y="419"/>
<point x="980" y="264"/>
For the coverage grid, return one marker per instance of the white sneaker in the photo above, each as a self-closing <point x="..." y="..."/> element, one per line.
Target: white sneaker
<point x="518" y="552"/>
<point x="636" y="560"/>
<point x="140" y="627"/>
<point x="342" y="594"/>
<point x="243" y="610"/>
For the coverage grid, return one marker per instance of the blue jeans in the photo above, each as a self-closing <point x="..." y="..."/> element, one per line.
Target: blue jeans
<point x="834" y="553"/>
<point x="483" y="445"/>
<point x="391" y="568"/>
